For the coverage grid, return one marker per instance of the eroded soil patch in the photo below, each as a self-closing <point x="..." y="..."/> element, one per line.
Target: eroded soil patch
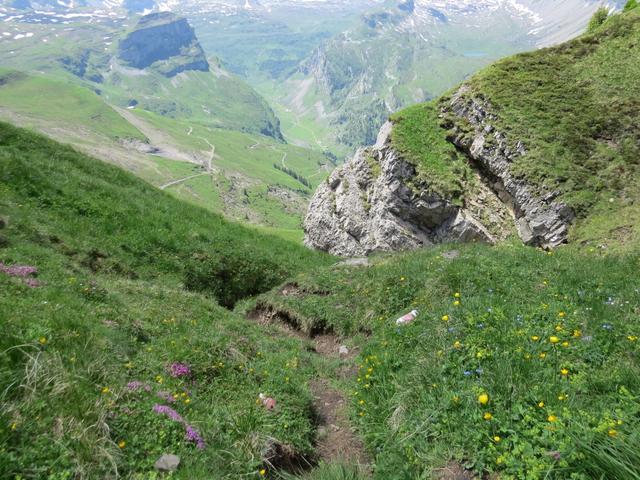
<point x="337" y="443"/>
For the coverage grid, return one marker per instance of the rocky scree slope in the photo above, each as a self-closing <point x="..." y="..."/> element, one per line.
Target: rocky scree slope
<point x="165" y="42"/>
<point x="533" y="144"/>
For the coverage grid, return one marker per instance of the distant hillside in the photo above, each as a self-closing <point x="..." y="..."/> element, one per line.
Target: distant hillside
<point x="544" y="144"/>
<point x="400" y="53"/>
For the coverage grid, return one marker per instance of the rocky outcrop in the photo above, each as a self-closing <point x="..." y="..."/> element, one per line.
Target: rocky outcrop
<point x="164" y="42"/>
<point x="372" y="203"/>
<point x="541" y="220"/>
<point x="376" y="202"/>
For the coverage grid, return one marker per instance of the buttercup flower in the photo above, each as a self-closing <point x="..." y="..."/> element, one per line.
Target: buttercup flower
<point x="483" y="399"/>
<point x="487" y="416"/>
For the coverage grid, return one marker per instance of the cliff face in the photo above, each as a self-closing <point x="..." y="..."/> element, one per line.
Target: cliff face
<point x="377" y="202"/>
<point x="373" y="204"/>
<point x="164" y="42"/>
<point x="540" y="220"/>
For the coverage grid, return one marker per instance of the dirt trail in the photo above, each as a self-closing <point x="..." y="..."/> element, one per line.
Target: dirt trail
<point x="182" y="180"/>
<point x="337" y="441"/>
<point x="163" y="143"/>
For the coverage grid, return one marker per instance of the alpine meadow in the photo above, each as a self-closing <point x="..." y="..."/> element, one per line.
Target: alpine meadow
<point x="320" y="240"/>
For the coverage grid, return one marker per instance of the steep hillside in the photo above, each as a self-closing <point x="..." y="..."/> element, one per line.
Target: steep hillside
<point x="550" y="137"/>
<point x="115" y="349"/>
<point x="246" y="177"/>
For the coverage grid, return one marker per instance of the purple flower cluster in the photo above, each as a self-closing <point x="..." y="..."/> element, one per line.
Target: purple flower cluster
<point x="22" y="271"/>
<point x="190" y="433"/>
<point x="168" y="411"/>
<point x="177" y="370"/>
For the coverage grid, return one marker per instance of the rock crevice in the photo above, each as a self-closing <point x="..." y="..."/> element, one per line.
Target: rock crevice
<point x="540" y="219"/>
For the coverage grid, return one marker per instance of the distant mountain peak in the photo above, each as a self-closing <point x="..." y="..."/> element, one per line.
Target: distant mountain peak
<point x="163" y="41"/>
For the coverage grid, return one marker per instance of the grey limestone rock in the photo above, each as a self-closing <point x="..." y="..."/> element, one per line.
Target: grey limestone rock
<point x="372" y="204"/>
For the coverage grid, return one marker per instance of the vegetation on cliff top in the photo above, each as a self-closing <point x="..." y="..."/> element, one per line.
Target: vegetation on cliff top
<point x="574" y="107"/>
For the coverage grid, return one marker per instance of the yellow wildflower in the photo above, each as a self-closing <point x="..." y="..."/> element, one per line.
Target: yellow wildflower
<point x="457" y="344"/>
<point x="122" y="444"/>
<point x="541" y="404"/>
<point x="456" y="303"/>
<point x="483" y="399"/>
<point x="612" y="433"/>
<point x="632" y="338"/>
<point x="445" y="318"/>
<point x="42" y="340"/>
<point x="105" y="390"/>
<point x="535" y="338"/>
<point x="487" y="416"/>
<point x="552" y="419"/>
<point x="562" y="397"/>
<point x="564" y="372"/>
<point x="554" y="339"/>
<point x="456" y="295"/>
<point x="159" y="379"/>
<point x="565" y="344"/>
<point x="562" y="314"/>
<point x="577" y="334"/>
<point x="497" y="439"/>
<point x="263" y="472"/>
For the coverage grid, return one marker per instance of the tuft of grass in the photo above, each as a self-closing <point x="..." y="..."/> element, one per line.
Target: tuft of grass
<point x="417" y="135"/>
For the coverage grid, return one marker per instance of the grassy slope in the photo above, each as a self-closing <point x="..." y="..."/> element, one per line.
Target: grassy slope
<point x="231" y="102"/>
<point x="54" y="100"/>
<point x="77" y="115"/>
<point x="113" y="254"/>
<point x="416" y="395"/>
<point x="575" y="108"/>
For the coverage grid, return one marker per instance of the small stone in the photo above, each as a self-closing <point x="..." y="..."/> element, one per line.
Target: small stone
<point x="451" y="254"/>
<point x="343" y="350"/>
<point x="167" y="463"/>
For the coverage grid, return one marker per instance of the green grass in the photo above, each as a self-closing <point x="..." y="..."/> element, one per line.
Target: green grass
<point x="49" y="99"/>
<point x="418" y="136"/>
<point x="113" y="257"/>
<point x="416" y="395"/>
<point x="575" y="108"/>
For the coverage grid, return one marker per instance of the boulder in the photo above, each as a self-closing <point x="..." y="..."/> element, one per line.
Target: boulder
<point x="167" y="463"/>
